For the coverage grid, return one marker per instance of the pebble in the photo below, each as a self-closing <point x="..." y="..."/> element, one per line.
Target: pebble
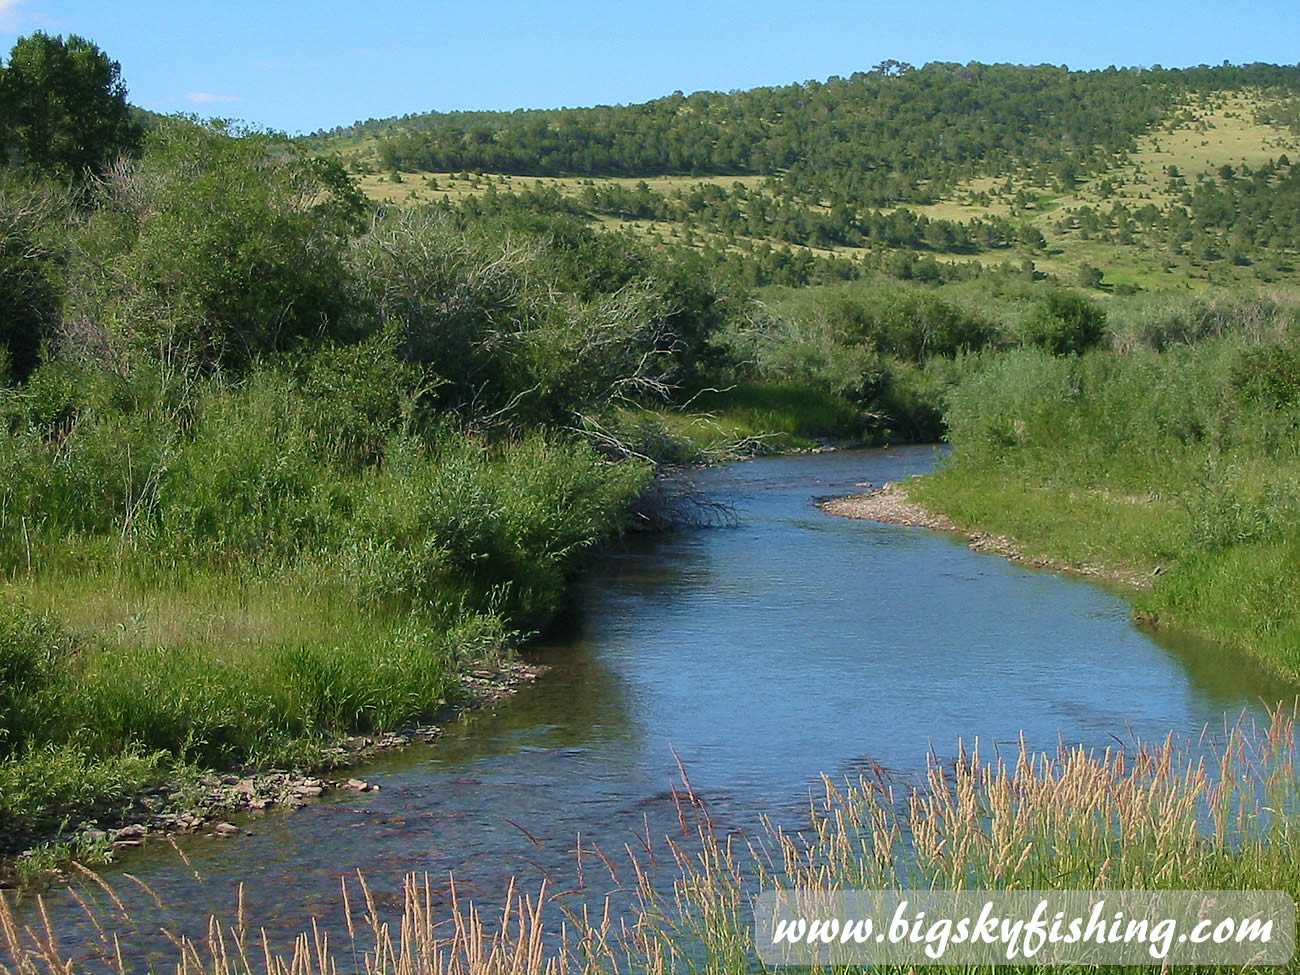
<point x="164" y="806"/>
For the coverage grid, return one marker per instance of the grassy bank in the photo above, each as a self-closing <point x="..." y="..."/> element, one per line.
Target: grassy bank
<point x="249" y="592"/>
<point x="278" y="467"/>
<point x="1177" y="459"/>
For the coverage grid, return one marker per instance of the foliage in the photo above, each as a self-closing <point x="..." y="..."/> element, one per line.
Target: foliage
<point x="533" y="322"/>
<point x="1064" y="323"/>
<point x="1160" y="322"/>
<point x="878" y="134"/>
<point x="889" y="349"/>
<point x="220" y="247"/>
<point x="493" y="529"/>
<point x="63" y="108"/>
<point x="1268" y="375"/>
<point x="31" y="278"/>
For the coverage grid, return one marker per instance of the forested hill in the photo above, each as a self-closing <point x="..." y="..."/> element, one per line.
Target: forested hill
<point x="903" y="133"/>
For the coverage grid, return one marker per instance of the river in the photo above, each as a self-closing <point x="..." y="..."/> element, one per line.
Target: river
<point x="761" y="656"/>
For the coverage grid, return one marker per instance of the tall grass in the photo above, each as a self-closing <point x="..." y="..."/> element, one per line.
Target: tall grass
<point x="222" y="571"/>
<point x="1145" y="817"/>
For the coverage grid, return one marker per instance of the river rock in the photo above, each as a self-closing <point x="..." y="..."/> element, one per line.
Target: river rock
<point x="225" y="829"/>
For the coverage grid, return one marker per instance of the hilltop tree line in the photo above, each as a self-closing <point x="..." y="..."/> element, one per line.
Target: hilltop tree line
<point x="893" y="134"/>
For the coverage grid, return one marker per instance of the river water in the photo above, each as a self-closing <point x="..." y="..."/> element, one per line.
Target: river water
<point x="761" y="656"/>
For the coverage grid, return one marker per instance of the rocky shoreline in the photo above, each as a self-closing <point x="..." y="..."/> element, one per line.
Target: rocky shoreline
<point x="890" y="505"/>
<point x="205" y="805"/>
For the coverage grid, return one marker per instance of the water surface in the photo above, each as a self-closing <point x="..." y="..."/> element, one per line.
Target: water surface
<point x="761" y="656"/>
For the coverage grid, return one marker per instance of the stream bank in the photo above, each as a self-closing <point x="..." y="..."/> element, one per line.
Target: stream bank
<point x="890" y="505"/>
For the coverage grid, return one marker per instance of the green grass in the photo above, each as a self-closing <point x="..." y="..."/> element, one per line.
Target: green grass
<point x="1242" y="596"/>
<point x="250" y="592"/>
<point x="801" y="411"/>
<point x="747" y="418"/>
<point x="454" y="187"/>
<point x="1177" y="470"/>
<point x="1081" y="527"/>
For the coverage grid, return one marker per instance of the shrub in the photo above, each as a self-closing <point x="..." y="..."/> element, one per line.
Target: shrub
<point x="358" y="396"/>
<point x="1267" y="375"/>
<point x="250" y="483"/>
<point x="223" y="248"/>
<point x="31" y="280"/>
<point x="1063" y="323"/>
<point x="491" y="528"/>
<point x="517" y="335"/>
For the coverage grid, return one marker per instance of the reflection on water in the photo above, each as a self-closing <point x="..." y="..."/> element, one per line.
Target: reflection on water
<point x="761" y="656"/>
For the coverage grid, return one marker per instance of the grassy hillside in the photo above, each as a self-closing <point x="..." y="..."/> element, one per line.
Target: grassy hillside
<point x="910" y="172"/>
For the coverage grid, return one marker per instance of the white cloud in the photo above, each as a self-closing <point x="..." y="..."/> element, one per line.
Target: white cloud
<point x="203" y="97"/>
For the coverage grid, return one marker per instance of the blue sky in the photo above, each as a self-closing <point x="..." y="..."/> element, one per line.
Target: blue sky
<point x="300" y="66"/>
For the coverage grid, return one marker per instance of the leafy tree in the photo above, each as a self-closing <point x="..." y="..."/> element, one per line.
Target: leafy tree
<point x="1064" y="323"/>
<point x="1090" y="276"/>
<point x="63" y="107"/>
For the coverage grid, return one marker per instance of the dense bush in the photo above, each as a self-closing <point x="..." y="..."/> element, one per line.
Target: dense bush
<point x="535" y="321"/>
<point x="219" y="247"/>
<point x="497" y="528"/>
<point x="1063" y="323"/>
<point x="1159" y="322"/>
<point x="909" y="323"/>
<point x="1268" y="375"/>
<point x="31" y="278"/>
<point x="890" y="350"/>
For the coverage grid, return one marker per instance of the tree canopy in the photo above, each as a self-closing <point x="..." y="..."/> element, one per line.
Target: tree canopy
<point x="63" y="107"/>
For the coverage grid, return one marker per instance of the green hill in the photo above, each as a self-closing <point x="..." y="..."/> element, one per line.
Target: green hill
<point x="1129" y="178"/>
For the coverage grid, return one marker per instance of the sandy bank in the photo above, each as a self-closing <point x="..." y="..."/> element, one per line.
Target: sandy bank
<point x="889" y="504"/>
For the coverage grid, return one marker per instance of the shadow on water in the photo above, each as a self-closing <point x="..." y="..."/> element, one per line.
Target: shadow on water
<point x="1220" y="673"/>
<point x="762" y="656"/>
